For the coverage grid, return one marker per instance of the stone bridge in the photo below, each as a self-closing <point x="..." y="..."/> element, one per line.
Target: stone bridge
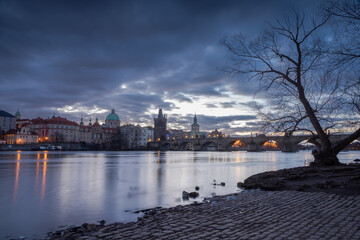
<point x="251" y="144"/>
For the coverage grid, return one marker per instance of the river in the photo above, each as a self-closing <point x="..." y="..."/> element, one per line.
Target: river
<point x="45" y="191"/>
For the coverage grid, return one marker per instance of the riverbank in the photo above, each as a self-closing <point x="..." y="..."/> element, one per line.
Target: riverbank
<point x="304" y="203"/>
<point x="251" y="214"/>
<point x="342" y="179"/>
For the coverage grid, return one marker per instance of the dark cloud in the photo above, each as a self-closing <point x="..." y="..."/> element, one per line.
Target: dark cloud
<point x="211" y="105"/>
<point x="214" y="122"/>
<point x="228" y="104"/>
<point x="130" y="55"/>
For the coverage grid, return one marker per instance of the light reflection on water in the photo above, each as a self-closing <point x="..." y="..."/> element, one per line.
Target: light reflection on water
<point x="41" y="191"/>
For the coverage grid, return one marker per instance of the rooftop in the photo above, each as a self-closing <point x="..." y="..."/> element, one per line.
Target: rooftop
<point x="5" y="114"/>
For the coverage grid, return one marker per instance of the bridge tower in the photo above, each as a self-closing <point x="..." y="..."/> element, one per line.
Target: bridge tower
<point x="160" y="126"/>
<point x="195" y="127"/>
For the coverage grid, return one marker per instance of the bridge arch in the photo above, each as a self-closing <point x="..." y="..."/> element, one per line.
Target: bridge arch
<point x="183" y="146"/>
<point x="236" y="145"/>
<point x="209" y="146"/>
<point x="305" y="145"/>
<point x="165" y="146"/>
<point x="271" y="145"/>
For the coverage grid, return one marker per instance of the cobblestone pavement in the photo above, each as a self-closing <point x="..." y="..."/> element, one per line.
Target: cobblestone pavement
<point x="247" y="215"/>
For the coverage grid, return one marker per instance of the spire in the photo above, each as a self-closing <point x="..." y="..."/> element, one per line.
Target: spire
<point x="90" y="122"/>
<point x="195" y="118"/>
<point x="113" y="110"/>
<point x="96" y="120"/>
<point x="160" y="115"/>
<point x="81" y="122"/>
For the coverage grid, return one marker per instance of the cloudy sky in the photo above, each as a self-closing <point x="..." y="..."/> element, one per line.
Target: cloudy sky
<point x="82" y="58"/>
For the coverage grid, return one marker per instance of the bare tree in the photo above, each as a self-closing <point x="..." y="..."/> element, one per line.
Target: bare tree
<point x="347" y="23"/>
<point x="288" y="60"/>
<point x="346" y="49"/>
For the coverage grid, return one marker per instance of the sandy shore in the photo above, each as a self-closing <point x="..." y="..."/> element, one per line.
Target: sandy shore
<point x="250" y="214"/>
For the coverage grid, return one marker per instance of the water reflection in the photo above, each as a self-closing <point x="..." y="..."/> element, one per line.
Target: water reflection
<point x="17" y="172"/>
<point x="74" y="187"/>
<point x="43" y="183"/>
<point x="37" y="173"/>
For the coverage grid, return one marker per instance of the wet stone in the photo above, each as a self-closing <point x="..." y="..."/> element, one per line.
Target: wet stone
<point x="249" y="215"/>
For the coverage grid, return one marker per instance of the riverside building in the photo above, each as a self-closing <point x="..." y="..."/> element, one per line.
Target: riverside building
<point x="7" y="122"/>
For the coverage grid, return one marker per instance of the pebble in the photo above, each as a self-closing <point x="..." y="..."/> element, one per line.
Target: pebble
<point x="249" y="215"/>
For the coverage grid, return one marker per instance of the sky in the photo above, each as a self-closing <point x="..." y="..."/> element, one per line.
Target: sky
<point x="82" y="58"/>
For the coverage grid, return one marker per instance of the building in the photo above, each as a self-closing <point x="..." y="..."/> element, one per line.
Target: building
<point x="112" y="120"/>
<point x="195" y="127"/>
<point x="20" y="121"/>
<point x="21" y="135"/>
<point x="175" y="134"/>
<point x="61" y="130"/>
<point x="7" y="122"/>
<point x="55" y="129"/>
<point x="195" y="130"/>
<point x="95" y="133"/>
<point x="149" y="132"/>
<point x="215" y="134"/>
<point x="160" y="126"/>
<point x="135" y="137"/>
<point x="85" y="132"/>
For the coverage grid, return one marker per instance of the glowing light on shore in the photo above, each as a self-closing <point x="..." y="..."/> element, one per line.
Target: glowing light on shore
<point x="271" y="144"/>
<point x="238" y="143"/>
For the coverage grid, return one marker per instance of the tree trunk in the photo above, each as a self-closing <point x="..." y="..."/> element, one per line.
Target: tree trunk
<point x="324" y="158"/>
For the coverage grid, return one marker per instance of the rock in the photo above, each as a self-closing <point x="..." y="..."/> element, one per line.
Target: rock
<point x="339" y="179"/>
<point x="185" y="195"/>
<point x="222" y="184"/>
<point x="197" y="188"/>
<point x="240" y="185"/>
<point x="92" y="226"/>
<point x="85" y="225"/>
<point x="102" y="222"/>
<point x="193" y="194"/>
<point x="72" y="229"/>
<point x="328" y="185"/>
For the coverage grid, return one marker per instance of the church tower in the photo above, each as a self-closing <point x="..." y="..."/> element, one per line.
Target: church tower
<point x="195" y="127"/>
<point x="18" y="115"/>
<point x="160" y="126"/>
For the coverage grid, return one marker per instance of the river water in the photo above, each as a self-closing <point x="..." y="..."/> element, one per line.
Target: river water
<point x="46" y="191"/>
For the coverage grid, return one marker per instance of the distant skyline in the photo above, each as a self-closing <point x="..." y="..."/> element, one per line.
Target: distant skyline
<point x="83" y="58"/>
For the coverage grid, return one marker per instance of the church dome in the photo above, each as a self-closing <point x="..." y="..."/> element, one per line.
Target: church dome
<point x="17" y="114"/>
<point x="112" y="116"/>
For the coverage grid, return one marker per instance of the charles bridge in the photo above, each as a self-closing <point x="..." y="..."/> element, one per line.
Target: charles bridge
<point x="251" y="144"/>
